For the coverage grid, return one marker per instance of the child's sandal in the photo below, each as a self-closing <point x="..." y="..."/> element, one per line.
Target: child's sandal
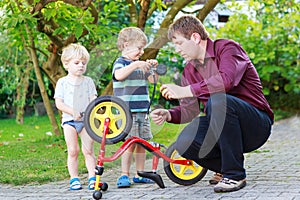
<point x="75" y="184"/>
<point x="123" y="182"/>
<point x="142" y="180"/>
<point x="92" y="182"/>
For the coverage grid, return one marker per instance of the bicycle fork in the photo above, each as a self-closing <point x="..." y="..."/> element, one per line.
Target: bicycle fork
<point x="99" y="168"/>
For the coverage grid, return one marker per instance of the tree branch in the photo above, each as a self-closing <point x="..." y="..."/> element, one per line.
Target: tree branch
<point x="145" y="4"/>
<point x="48" y="30"/>
<point x="205" y="10"/>
<point x="161" y="37"/>
<point x="132" y="11"/>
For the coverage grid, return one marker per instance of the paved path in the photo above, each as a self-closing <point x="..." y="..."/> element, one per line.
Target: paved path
<point x="273" y="173"/>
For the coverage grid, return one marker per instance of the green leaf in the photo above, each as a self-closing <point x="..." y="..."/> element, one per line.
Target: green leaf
<point x="266" y="91"/>
<point x="78" y="30"/>
<point x="288" y="87"/>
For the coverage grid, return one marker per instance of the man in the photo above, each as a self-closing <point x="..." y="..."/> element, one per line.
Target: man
<point x="237" y="119"/>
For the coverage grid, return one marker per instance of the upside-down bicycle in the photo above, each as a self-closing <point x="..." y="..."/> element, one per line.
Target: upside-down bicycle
<point x="108" y="121"/>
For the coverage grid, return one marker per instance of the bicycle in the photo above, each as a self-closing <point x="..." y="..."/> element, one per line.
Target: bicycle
<point x="108" y="121"/>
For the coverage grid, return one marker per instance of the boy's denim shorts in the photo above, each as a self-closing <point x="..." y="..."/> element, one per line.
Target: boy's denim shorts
<point x="140" y="126"/>
<point x="78" y="125"/>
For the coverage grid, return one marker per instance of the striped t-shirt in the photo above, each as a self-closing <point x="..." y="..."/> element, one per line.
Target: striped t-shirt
<point x="134" y="89"/>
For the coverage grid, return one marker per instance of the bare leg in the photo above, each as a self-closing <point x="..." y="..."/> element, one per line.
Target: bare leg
<point x="140" y="158"/>
<point x="126" y="160"/>
<point x="87" y="144"/>
<point x="71" y="139"/>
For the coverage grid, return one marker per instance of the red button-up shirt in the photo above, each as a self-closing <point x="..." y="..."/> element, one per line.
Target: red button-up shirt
<point x="226" y="68"/>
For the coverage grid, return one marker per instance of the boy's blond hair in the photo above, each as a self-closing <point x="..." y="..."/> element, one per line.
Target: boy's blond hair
<point x="131" y="35"/>
<point x="74" y="51"/>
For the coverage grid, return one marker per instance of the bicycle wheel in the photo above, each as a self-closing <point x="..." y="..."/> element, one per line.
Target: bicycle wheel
<point x="182" y="174"/>
<point x="108" y="107"/>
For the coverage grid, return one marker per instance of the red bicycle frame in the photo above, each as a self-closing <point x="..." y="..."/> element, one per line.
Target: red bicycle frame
<point x="154" y="149"/>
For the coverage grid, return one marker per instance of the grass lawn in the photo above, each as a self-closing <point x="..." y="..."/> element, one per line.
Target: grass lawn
<point x="31" y="154"/>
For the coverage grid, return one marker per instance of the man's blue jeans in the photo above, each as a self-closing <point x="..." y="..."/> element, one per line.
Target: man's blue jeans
<point x="218" y="140"/>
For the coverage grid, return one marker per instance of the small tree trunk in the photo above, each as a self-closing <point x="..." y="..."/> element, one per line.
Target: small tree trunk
<point x="108" y="89"/>
<point x="43" y="91"/>
<point x="22" y="89"/>
<point x="41" y="84"/>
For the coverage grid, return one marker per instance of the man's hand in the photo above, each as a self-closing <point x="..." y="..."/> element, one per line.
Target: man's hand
<point x="172" y="91"/>
<point x="159" y="116"/>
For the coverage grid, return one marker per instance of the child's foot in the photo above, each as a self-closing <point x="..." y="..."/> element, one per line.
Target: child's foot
<point x="75" y="184"/>
<point x="123" y="182"/>
<point x="142" y="180"/>
<point x="92" y="182"/>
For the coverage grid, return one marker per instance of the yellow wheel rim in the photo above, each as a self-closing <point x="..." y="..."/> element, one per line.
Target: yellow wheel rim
<point x="110" y="110"/>
<point x="184" y="172"/>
